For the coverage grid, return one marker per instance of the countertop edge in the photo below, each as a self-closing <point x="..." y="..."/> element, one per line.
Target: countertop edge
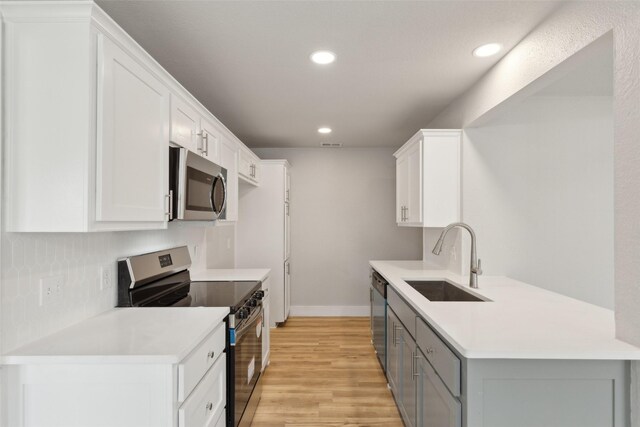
<point x="619" y="355"/>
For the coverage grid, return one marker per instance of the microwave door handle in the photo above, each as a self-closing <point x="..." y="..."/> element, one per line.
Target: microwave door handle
<point x="224" y="194"/>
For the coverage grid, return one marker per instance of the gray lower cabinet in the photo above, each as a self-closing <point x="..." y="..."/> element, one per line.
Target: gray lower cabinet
<point x="400" y="368"/>
<point x="394" y="361"/>
<point x="435" y="406"/>
<point x="434" y="386"/>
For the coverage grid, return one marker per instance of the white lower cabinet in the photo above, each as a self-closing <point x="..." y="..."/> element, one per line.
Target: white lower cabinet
<point x="266" y="332"/>
<point x="107" y="394"/>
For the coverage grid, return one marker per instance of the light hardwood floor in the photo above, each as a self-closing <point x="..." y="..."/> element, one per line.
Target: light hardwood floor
<point x="324" y="372"/>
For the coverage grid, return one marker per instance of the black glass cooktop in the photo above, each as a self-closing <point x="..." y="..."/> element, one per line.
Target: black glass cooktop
<point x="221" y="294"/>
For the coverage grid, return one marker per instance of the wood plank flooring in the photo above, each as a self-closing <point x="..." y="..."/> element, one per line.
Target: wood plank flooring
<point x="324" y="372"/>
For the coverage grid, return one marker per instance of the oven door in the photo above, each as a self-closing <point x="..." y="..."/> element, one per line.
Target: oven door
<point x="248" y="362"/>
<point x="198" y="187"/>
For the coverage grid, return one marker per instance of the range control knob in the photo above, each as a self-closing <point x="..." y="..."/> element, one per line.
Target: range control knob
<point x="259" y="294"/>
<point x="243" y="313"/>
<point x="253" y="302"/>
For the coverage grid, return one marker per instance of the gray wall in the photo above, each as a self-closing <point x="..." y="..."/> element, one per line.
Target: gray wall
<point x="343" y="215"/>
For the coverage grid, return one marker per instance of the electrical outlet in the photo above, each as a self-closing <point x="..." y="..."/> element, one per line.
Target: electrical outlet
<point x="50" y="289"/>
<point x="106" y="278"/>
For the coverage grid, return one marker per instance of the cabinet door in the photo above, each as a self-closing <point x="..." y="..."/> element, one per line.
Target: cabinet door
<point x="413" y="213"/>
<point x="229" y="161"/>
<point x="402" y="187"/>
<point x="394" y="362"/>
<point x="436" y="407"/>
<point x="408" y="383"/>
<point x="266" y="318"/>
<point x="184" y="125"/>
<point x="287" y="230"/>
<point x="132" y="139"/>
<point x="210" y="137"/>
<point x="287" y="289"/>
<point x="245" y="164"/>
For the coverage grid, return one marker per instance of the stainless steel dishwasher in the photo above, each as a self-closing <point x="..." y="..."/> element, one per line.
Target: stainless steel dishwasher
<point x="378" y="298"/>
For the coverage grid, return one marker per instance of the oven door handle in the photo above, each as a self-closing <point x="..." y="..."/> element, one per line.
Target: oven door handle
<point x="247" y="325"/>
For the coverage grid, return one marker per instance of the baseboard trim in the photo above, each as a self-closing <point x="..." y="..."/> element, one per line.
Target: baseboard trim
<point x="329" y="310"/>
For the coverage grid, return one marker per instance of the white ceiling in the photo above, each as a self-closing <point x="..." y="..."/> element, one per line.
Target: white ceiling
<point x="399" y="62"/>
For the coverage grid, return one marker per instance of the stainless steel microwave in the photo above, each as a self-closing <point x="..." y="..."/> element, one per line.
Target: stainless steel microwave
<point x="197" y="187"/>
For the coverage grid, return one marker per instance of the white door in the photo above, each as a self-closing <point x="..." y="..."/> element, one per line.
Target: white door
<point x="229" y="161"/>
<point x="413" y="213"/>
<point x="184" y="125"/>
<point x="210" y="137"/>
<point x="132" y="139"/>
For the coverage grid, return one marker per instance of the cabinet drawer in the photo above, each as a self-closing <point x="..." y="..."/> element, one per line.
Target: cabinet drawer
<point x="205" y="405"/>
<point x="443" y="360"/>
<point x="194" y="366"/>
<point x="404" y="312"/>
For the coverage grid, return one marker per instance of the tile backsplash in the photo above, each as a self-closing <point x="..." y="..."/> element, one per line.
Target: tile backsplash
<point x="77" y="260"/>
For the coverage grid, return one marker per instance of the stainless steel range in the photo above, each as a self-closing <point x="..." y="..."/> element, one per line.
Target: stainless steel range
<point x="162" y="279"/>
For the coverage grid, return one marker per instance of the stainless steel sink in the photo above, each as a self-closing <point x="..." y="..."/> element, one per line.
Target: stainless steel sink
<point x="441" y="290"/>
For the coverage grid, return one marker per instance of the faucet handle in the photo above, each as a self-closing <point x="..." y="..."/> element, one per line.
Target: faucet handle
<point x="479" y="268"/>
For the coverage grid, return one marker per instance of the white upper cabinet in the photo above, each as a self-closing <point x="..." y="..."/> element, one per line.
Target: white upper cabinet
<point x="210" y="136"/>
<point x="185" y="124"/>
<point x="133" y="130"/>
<point x="428" y="179"/>
<point x="86" y="139"/>
<point x="229" y="161"/>
<point x="249" y="166"/>
<point x="194" y="130"/>
<point x="89" y="119"/>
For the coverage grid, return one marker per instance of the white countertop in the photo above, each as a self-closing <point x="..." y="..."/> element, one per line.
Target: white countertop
<point x="520" y="322"/>
<point x="125" y="335"/>
<point x="233" y="274"/>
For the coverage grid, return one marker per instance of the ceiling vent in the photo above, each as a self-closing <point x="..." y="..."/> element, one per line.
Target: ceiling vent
<point x="331" y="145"/>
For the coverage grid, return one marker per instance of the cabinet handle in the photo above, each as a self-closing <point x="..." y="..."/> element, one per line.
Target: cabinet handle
<point x="209" y="406"/>
<point x="406" y="213"/>
<point x="287" y="195"/>
<point x="205" y="139"/>
<point x="170" y="204"/>
<point x="414" y="365"/>
<point x="395" y="328"/>
<point x="211" y="354"/>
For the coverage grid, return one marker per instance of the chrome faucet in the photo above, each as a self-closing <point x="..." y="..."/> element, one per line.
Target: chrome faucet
<point x="476" y="269"/>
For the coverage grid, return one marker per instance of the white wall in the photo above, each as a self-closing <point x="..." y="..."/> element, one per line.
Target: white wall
<point x="342" y="216"/>
<point x="538" y="190"/>
<point x="27" y="257"/>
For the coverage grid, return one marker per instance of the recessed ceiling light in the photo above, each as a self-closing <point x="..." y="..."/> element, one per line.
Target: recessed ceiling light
<point x="323" y="57"/>
<point x="487" y="50"/>
<point x="324" y="130"/>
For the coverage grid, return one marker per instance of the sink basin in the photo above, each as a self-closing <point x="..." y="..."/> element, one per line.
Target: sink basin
<point x="441" y="290"/>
